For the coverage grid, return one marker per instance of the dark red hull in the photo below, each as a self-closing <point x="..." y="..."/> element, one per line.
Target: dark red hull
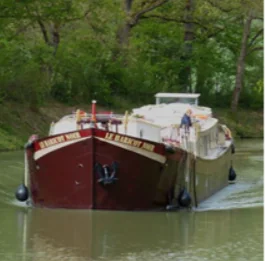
<point x="63" y="172"/>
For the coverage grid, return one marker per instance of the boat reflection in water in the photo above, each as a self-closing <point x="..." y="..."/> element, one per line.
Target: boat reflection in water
<point x="101" y="235"/>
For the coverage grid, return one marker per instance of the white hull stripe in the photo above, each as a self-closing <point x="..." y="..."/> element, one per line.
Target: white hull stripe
<point x="145" y="153"/>
<point x="152" y="155"/>
<point x="43" y="152"/>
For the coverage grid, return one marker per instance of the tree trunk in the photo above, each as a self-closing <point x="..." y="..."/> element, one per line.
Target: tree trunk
<point x="200" y="78"/>
<point x="133" y="19"/>
<point x="185" y="72"/>
<point x="241" y="63"/>
<point x="55" y="37"/>
<point x="124" y="31"/>
<point x="123" y="35"/>
<point x="52" y="39"/>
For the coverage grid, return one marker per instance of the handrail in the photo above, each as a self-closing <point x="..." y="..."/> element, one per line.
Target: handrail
<point x="102" y="118"/>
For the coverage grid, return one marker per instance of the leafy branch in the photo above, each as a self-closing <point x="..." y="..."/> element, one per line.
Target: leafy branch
<point x="138" y="15"/>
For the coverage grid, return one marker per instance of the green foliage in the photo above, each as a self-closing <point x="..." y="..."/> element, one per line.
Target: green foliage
<point x="245" y="123"/>
<point x="21" y="78"/>
<point x="86" y="62"/>
<point x="253" y="97"/>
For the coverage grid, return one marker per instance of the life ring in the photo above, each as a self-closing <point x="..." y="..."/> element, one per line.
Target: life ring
<point x="228" y="133"/>
<point x="201" y="116"/>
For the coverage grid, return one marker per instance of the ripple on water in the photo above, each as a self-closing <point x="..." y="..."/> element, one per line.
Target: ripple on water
<point x="229" y="251"/>
<point x="18" y="203"/>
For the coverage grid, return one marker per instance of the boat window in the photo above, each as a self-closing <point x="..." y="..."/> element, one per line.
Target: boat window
<point x="177" y="100"/>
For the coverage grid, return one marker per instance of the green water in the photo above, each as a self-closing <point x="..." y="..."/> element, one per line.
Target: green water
<point x="228" y="226"/>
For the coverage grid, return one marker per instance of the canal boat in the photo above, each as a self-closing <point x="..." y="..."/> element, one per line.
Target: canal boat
<point x="145" y="159"/>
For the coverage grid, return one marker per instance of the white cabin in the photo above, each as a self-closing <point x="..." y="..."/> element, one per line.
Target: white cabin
<point x="160" y="122"/>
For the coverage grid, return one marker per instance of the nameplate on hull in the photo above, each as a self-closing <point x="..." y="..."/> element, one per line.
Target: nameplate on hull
<point x="59" y="139"/>
<point x="130" y="141"/>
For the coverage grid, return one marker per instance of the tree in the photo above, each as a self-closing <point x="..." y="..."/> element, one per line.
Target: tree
<point x="134" y="11"/>
<point x="246" y="47"/>
<point x="185" y="73"/>
<point x="77" y="50"/>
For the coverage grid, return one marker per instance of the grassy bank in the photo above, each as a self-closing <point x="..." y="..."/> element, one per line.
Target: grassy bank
<point x="18" y="122"/>
<point x="243" y="123"/>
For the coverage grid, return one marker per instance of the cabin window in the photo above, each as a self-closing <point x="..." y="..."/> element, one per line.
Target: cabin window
<point x="177" y="100"/>
<point x="213" y="138"/>
<point x="201" y="146"/>
<point x="205" y="145"/>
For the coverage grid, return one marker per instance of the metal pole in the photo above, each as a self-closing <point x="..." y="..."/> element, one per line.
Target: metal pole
<point x="26" y="169"/>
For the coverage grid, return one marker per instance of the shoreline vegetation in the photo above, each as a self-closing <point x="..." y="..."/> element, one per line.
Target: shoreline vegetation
<point x="18" y="122"/>
<point x="56" y="54"/>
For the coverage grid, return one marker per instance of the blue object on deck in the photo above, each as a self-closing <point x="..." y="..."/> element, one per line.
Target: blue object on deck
<point x="186" y="121"/>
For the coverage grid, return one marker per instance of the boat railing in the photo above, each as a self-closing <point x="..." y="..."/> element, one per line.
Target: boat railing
<point x="102" y="118"/>
<point x="196" y="141"/>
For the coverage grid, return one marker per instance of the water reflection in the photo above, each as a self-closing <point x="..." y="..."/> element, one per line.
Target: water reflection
<point x="96" y="235"/>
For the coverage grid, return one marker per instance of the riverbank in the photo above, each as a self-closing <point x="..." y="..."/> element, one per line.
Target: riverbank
<point x="18" y="122"/>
